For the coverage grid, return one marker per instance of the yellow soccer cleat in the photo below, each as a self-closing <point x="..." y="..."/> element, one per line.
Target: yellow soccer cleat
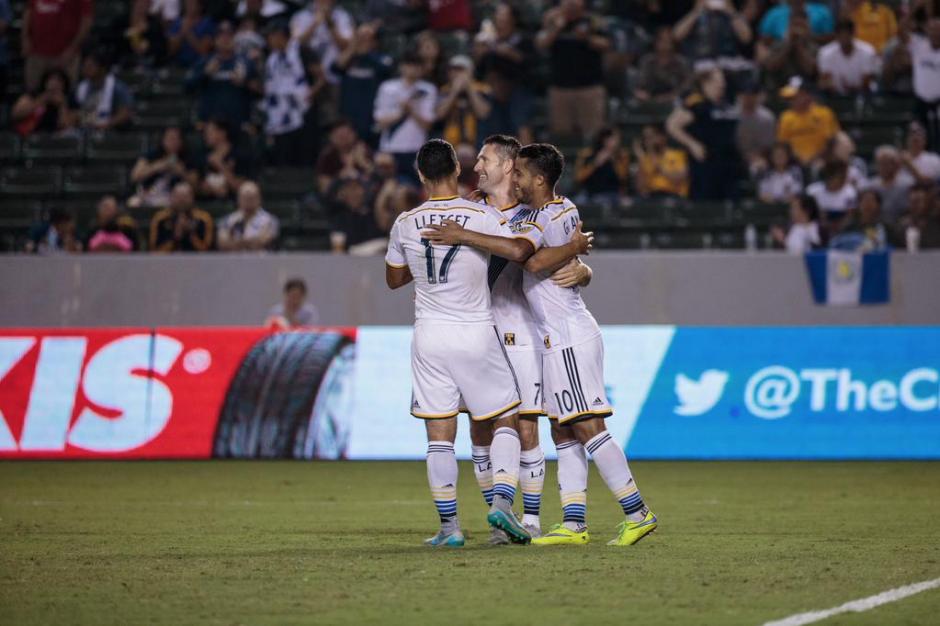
<point x="631" y="532"/>
<point x="559" y="535"/>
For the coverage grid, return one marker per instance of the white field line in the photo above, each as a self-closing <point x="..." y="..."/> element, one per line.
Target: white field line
<point x="858" y="606"/>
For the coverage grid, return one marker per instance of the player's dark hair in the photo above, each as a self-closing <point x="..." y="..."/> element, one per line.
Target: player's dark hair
<point x="545" y="159"/>
<point x="436" y="160"/>
<point x="507" y="146"/>
<point x="295" y="283"/>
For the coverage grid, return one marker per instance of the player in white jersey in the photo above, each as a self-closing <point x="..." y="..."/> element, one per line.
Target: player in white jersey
<point x="518" y="331"/>
<point x="456" y="351"/>
<point x="572" y="364"/>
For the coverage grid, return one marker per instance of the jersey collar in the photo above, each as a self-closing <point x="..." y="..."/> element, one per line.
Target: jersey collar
<point x="442" y="198"/>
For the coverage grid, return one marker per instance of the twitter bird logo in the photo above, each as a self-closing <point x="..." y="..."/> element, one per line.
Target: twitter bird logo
<point x="699" y="396"/>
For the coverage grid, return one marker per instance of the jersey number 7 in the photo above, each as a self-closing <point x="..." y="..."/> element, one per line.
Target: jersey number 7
<point x="433" y="279"/>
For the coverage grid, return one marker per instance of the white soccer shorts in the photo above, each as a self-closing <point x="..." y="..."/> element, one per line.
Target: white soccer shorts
<point x="450" y="362"/>
<point x="526" y="363"/>
<point x="574" y="382"/>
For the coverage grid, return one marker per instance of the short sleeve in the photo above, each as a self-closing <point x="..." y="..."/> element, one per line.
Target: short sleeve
<point x="533" y="229"/>
<point x="395" y="256"/>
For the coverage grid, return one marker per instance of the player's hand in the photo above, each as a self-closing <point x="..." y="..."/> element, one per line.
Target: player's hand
<point x="572" y="274"/>
<point x="476" y="195"/>
<point x="584" y="241"/>
<point x="450" y="233"/>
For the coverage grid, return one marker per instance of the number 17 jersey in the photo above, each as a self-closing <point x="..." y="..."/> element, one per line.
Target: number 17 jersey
<point x="450" y="281"/>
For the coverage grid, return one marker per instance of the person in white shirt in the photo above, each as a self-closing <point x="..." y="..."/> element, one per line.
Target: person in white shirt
<point x="892" y="182"/>
<point x="293" y="311"/>
<point x="923" y="164"/>
<point x="404" y="112"/>
<point x="250" y="227"/>
<point x="326" y="29"/>
<point x="783" y="180"/>
<point x="804" y="233"/>
<point x="287" y="96"/>
<point x="847" y="65"/>
<point x="834" y="195"/>
<point x="925" y="57"/>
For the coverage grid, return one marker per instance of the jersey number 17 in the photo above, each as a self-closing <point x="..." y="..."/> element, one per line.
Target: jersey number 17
<point x="433" y="277"/>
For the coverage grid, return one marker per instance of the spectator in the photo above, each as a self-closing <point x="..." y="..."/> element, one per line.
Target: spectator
<point x="54" y="235"/>
<point x="602" y="170"/>
<point x="714" y="33"/>
<point x="404" y="112"/>
<point x="293" y="311"/>
<point x="361" y="69"/>
<point x="834" y="196"/>
<point x="182" y="227"/>
<point x="661" y="171"/>
<point x="806" y="126"/>
<point x="326" y="29"/>
<point x="468" y="180"/>
<point x="897" y="66"/>
<point x="847" y="65"/>
<point x="166" y="10"/>
<point x="262" y="12"/>
<point x="433" y="64"/>
<point x="575" y="41"/>
<point x="776" y="21"/>
<point x="923" y="164"/>
<point x="706" y="126"/>
<point x="920" y="226"/>
<point x="447" y="15"/>
<point x="866" y="226"/>
<point x="346" y="156"/>
<point x="355" y="229"/>
<point x="156" y="173"/>
<point x="221" y="168"/>
<point x="464" y="103"/>
<point x="6" y="16"/>
<point x="287" y="97"/>
<point x="794" y="55"/>
<point x="143" y="39"/>
<point x="783" y="181"/>
<point x="504" y="55"/>
<point x="805" y="232"/>
<point x="925" y="55"/>
<point x="250" y="227"/>
<point x="104" y="101"/>
<point x="249" y="41"/>
<point x="51" y="110"/>
<point x="757" y="126"/>
<point x="386" y="190"/>
<point x="892" y="183"/>
<point x="112" y="230"/>
<point x="663" y="74"/>
<point x="842" y="148"/>
<point x="875" y="22"/>
<point x="189" y="37"/>
<point x="52" y="35"/>
<point x="225" y="81"/>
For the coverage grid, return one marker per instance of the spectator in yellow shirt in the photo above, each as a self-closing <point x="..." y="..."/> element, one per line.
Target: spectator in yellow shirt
<point x="806" y="126"/>
<point x="875" y="22"/>
<point x="661" y="171"/>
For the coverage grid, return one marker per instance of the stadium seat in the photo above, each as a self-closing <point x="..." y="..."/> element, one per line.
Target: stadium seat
<point x="9" y="148"/>
<point x="289" y="182"/>
<point x="117" y="147"/>
<point x="52" y="149"/>
<point x="95" y="180"/>
<point x="156" y="115"/>
<point x="761" y="214"/>
<point x="20" y="211"/>
<point x="702" y="214"/>
<point x="36" y="182"/>
<point x="82" y="208"/>
<point x="679" y="240"/>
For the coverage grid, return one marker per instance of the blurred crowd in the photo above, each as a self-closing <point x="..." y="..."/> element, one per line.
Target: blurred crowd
<point x="314" y="85"/>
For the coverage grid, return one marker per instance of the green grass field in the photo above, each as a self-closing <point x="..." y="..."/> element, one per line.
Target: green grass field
<point x="340" y="543"/>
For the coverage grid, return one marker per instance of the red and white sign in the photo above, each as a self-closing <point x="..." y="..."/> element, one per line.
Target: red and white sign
<point x="116" y="393"/>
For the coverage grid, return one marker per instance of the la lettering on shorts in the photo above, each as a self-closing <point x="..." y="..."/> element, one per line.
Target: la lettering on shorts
<point x="450" y="362"/>
<point x="574" y="382"/>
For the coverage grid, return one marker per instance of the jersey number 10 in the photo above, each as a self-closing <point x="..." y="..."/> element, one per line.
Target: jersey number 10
<point x="433" y="278"/>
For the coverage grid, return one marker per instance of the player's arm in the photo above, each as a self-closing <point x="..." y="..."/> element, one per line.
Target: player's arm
<point x="551" y="259"/>
<point x="573" y="274"/>
<point x="396" y="277"/>
<point x="450" y="233"/>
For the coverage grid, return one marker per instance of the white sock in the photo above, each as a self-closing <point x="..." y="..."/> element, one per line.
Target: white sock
<point x="572" y="484"/>
<point x="504" y="454"/>
<point x="611" y="462"/>
<point x="531" y="481"/>
<point x="483" y="470"/>
<point x="442" y="477"/>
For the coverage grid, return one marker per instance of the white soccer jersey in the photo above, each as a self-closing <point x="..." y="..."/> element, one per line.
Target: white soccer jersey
<point x="514" y="319"/>
<point x="450" y="281"/>
<point x="562" y="317"/>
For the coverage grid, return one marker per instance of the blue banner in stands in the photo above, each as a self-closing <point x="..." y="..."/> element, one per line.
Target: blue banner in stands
<point x="843" y="278"/>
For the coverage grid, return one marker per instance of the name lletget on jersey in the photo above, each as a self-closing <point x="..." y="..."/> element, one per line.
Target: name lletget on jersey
<point x="425" y="219"/>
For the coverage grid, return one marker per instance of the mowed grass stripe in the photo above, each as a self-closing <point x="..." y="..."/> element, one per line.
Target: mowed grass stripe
<point x="339" y="543"/>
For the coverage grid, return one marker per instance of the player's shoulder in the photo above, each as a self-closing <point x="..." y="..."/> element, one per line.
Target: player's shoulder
<point x="558" y="207"/>
<point x="454" y="204"/>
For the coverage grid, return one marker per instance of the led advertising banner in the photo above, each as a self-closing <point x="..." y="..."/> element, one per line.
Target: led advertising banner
<point x="678" y="393"/>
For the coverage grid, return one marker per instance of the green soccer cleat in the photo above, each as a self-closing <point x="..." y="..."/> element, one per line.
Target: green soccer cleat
<point x="504" y="519"/>
<point x="631" y="532"/>
<point x="453" y="539"/>
<point x="561" y="535"/>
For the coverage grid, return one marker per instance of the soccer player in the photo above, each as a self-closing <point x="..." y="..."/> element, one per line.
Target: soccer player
<point x="456" y="351"/>
<point x="572" y="364"/>
<point x="519" y="334"/>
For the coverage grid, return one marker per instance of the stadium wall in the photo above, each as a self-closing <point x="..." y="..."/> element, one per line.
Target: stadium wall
<point x="720" y="289"/>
